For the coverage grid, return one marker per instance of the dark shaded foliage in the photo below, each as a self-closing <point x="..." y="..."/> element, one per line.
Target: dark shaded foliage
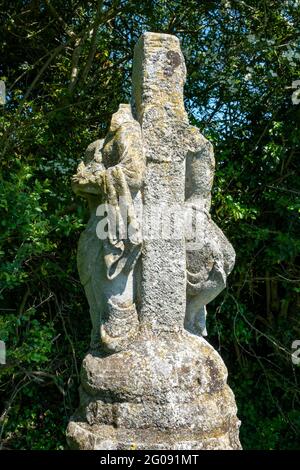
<point x="67" y="66"/>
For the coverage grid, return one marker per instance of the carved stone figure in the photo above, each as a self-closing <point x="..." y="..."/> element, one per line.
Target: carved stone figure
<point x="150" y="379"/>
<point x="211" y="257"/>
<point x="112" y="171"/>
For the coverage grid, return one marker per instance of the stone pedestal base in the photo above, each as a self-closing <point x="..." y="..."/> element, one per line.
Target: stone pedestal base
<point x="164" y="392"/>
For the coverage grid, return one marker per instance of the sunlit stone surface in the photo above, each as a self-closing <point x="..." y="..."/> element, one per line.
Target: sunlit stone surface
<point x="150" y="379"/>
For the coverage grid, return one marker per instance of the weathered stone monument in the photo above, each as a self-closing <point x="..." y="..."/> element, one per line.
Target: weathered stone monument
<point x="150" y="379"/>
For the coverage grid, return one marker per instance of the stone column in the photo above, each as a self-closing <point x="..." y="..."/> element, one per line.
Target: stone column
<point x="166" y="387"/>
<point x="157" y="94"/>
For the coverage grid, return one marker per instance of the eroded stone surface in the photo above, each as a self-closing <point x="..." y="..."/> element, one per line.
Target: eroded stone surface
<point x="150" y="380"/>
<point x="174" y="396"/>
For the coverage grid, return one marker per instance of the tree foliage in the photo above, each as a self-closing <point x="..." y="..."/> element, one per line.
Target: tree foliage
<point x="67" y="65"/>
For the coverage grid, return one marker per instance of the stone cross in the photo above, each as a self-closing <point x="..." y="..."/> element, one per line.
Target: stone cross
<point x="150" y="379"/>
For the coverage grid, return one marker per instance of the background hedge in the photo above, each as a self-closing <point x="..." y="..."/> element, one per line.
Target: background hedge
<point x="67" y="65"/>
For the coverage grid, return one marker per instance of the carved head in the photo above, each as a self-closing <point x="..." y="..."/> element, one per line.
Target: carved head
<point x="94" y="152"/>
<point x="122" y="116"/>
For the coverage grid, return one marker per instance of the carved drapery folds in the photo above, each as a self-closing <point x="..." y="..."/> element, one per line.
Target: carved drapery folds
<point x="112" y="173"/>
<point x="150" y="379"/>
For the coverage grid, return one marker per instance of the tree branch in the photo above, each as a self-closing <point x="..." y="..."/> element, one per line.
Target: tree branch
<point x="57" y="16"/>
